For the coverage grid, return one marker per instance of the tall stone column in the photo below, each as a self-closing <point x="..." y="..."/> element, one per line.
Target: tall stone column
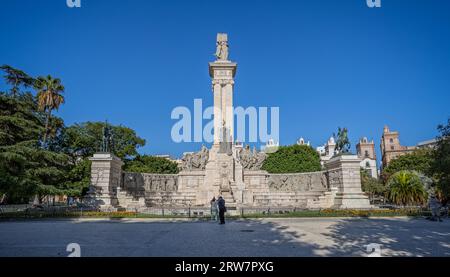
<point x="217" y="91"/>
<point x="106" y="177"/>
<point x="220" y="169"/>
<point x="222" y="74"/>
<point x="229" y="114"/>
<point x="345" y="180"/>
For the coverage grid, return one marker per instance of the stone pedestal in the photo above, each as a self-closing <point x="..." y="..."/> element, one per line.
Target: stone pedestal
<point x="345" y="182"/>
<point x="106" y="177"/>
<point x="219" y="177"/>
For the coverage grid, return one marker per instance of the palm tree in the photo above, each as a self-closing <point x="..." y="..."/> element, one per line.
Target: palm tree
<point x="49" y="98"/>
<point x="405" y="188"/>
<point x="16" y="78"/>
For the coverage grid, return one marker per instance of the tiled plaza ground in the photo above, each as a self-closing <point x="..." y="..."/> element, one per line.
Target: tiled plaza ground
<point x="265" y="237"/>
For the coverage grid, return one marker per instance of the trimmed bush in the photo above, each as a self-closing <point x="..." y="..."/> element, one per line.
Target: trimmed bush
<point x="293" y="159"/>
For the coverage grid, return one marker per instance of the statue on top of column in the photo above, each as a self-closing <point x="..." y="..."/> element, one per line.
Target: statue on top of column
<point x="107" y="145"/>
<point x="222" y="47"/>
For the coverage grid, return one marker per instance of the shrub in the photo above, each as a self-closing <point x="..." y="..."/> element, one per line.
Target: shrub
<point x="151" y="164"/>
<point x="405" y="188"/>
<point x="293" y="159"/>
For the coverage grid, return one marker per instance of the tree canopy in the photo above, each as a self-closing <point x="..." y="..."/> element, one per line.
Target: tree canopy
<point x="84" y="139"/>
<point x="39" y="155"/>
<point x="26" y="168"/>
<point x="151" y="164"/>
<point x="419" y="160"/>
<point x="293" y="159"/>
<point x="440" y="166"/>
<point x="372" y="186"/>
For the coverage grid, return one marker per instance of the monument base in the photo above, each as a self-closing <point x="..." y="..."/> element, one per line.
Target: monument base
<point x="106" y="177"/>
<point x="345" y="179"/>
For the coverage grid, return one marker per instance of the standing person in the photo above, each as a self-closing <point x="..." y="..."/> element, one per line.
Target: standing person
<point x="222" y="209"/>
<point x="214" y="209"/>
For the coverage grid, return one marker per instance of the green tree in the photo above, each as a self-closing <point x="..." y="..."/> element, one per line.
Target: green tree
<point x="405" y="188"/>
<point x="372" y="186"/>
<point x="84" y="139"/>
<point x="440" y="166"/>
<point x="25" y="168"/>
<point x="419" y="160"/>
<point x="151" y="164"/>
<point x="49" y="98"/>
<point x="81" y="141"/>
<point x="78" y="178"/>
<point x="16" y="78"/>
<point x="293" y="159"/>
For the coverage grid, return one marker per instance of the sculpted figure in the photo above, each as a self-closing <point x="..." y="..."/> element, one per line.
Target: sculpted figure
<point x="195" y="161"/>
<point x="342" y="141"/>
<point x="222" y="47"/>
<point x="107" y="145"/>
<point x="225" y="182"/>
<point x="251" y="160"/>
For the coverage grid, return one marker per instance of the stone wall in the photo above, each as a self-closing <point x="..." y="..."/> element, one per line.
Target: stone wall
<point x="301" y="190"/>
<point x="140" y="183"/>
<point x="337" y="187"/>
<point x="299" y="182"/>
<point x="146" y="189"/>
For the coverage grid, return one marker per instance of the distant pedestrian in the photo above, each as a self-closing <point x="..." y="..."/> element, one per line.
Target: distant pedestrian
<point x="214" y="209"/>
<point x="222" y="209"/>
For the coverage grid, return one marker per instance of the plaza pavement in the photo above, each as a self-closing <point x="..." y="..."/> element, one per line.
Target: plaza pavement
<point x="295" y="237"/>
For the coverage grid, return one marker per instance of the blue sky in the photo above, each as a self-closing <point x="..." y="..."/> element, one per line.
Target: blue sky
<point x="325" y="63"/>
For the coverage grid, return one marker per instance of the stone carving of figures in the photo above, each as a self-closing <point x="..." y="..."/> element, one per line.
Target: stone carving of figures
<point x="195" y="161"/>
<point x="342" y="141"/>
<point x="260" y="158"/>
<point x="226" y="144"/>
<point x="225" y="182"/>
<point x="171" y="184"/>
<point x="251" y="160"/>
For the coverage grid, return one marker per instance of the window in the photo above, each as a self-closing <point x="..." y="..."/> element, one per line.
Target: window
<point x="392" y="147"/>
<point x="391" y="140"/>
<point x="366" y="153"/>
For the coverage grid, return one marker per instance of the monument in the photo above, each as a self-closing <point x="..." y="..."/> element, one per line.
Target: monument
<point x="228" y="169"/>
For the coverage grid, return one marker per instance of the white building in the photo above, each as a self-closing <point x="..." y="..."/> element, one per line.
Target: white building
<point x="301" y="141"/>
<point x="365" y="150"/>
<point x="327" y="151"/>
<point x="270" y="147"/>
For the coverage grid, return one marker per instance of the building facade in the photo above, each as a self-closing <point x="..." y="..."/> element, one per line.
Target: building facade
<point x="365" y="150"/>
<point x="326" y="151"/>
<point x="428" y="144"/>
<point x="391" y="147"/>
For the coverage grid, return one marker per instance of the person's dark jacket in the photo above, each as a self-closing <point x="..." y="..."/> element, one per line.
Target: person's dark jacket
<point x="221" y="204"/>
